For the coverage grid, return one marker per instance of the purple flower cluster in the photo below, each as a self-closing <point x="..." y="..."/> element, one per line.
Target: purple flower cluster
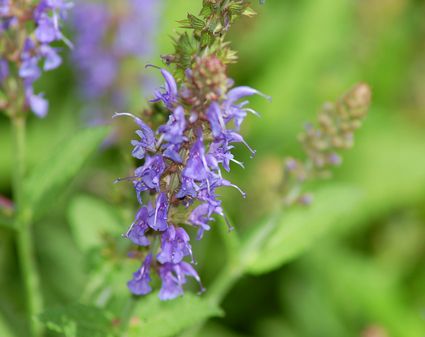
<point x="182" y="171"/>
<point x="36" y="54"/>
<point x="108" y="34"/>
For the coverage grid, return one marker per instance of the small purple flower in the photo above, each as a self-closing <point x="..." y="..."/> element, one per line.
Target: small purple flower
<point x="173" y="278"/>
<point x="200" y="217"/>
<point x="196" y="167"/>
<point x="46" y="31"/>
<point x="148" y="175"/>
<point x="138" y="228"/>
<point x="52" y="60"/>
<point x="158" y="218"/>
<point x="174" y="245"/>
<point x="172" y="152"/>
<point x="139" y="285"/>
<point x="216" y="119"/>
<point x="4" y="70"/>
<point x="187" y="188"/>
<point x="238" y="112"/>
<point x="37" y="103"/>
<point x="147" y="137"/>
<point x="167" y="94"/>
<point x="175" y="127"/>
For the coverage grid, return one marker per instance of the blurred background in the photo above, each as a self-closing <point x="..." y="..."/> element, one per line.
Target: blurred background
<point x="365" y="276"/>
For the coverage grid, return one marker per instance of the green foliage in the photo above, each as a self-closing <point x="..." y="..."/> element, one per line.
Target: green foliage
<point x="154" y="318"/>
<point x="4" y="328"/>
<point x="53" y="174"/>
<point x="79" y="320"/>
<point x="289" y="234"/>
<point x="90" y="220"/>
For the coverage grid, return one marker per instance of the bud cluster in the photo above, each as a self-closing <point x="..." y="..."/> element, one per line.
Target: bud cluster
<point x="334" y="132"/>
<point x="181" y="170"/>
<point x="209" y="28"/>
<point x="28" y="29"/>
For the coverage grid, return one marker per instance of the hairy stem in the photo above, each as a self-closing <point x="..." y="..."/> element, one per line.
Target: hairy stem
<point x="23" y="227"/>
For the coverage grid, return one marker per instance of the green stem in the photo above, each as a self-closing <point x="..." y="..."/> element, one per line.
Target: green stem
<point x="23" y="226"/>
<point x="127" y="314"/>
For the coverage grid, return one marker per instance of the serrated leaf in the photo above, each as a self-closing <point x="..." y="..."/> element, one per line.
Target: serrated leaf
<point x="286" y="236"/>
<point x="55" y="172"/>
<point x="249" y="12"/>
<point x="155" y="318"/>
<point x="195" y="22"/>
<point x="90" y="219"/>
<point x="78" y="320"/>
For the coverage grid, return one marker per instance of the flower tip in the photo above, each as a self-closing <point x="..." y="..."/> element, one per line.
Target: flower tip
<point x="150" y="65"/>
<point x="119" y="114"/>
<point x="267" y="97"/>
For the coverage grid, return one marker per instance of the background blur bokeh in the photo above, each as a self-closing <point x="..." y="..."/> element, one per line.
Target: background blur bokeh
<point x="365" y="276"/>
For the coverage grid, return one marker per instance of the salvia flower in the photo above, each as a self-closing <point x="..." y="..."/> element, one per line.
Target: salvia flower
<point x="181" y="170"/>
<point x="39" y="24"/>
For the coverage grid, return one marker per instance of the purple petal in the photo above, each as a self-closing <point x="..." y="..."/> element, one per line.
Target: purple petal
<point x="139" y="285"/>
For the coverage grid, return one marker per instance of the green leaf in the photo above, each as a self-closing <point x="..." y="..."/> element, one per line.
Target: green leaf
<point x="155" y="318"/>
<point x="53" y="174"/>
<point x="360" y="287"/>
<point x="5" y="330"/>
<point x="285" y="236"/>
<point x="90" y="219"/>
<point x="78" y="320"/>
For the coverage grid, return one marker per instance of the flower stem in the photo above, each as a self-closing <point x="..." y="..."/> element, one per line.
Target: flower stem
<point x="127" y="314"/>
<point x="23" y="227"/>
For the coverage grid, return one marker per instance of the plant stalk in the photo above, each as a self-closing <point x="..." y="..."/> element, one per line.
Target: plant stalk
<point x="23" y="228"/>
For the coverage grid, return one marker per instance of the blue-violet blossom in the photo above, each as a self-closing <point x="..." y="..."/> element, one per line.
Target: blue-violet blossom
<point x="41" y="28"/>
<point x="182" y="170"/>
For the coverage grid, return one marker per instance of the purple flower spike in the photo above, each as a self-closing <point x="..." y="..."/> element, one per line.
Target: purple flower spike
<point x="37" y="25"/>
<point x="184" y="168"/>
<point x="174" y="245"/>
<point x="138" y="228"/>
<point x="139" y="285"/>
<point x="158" y="218"/>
